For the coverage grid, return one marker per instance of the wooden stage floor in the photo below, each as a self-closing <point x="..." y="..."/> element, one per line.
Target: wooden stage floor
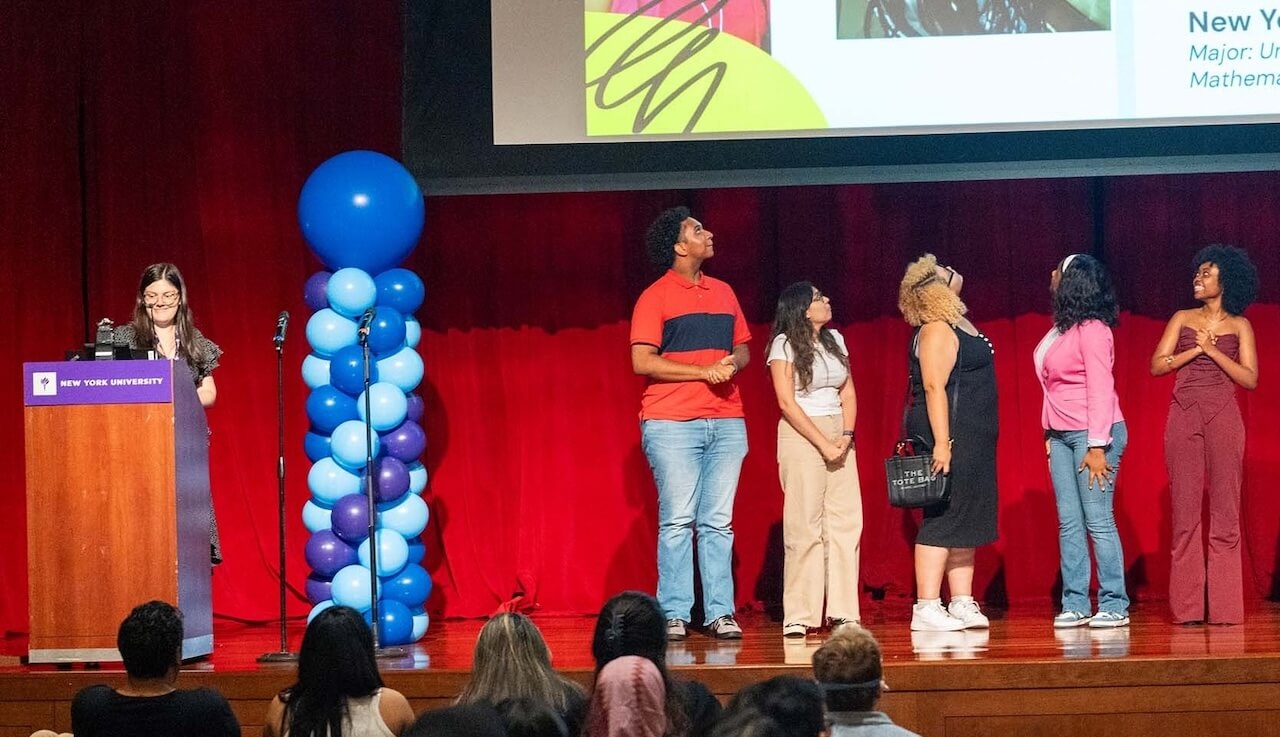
<point x="1020" y="678"/>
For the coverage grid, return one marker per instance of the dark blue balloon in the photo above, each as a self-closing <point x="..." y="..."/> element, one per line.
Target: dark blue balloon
<point x="401" y="290"/>
<point x="319" y="588"/>
<point x="361" y="209"/>
<point x="327" y="408"/>
<point x="346" y="370"/>
<point x="315" y="291"/>
<point x="316" y="446"/>
<point x="411" y="586"/>
<point x="397" y="622"/>
<point x="415" y="408"/>
<point x="327" y="554"/>
<point x="407" y="441"/>
<point x="386" y="332"/>
<point x="417" y="550"/>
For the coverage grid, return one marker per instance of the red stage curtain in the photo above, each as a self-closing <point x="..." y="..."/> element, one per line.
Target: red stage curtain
<point x="200" y="123"/>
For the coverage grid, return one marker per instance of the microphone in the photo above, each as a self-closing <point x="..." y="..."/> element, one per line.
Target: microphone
<point x="282" y="324"/>
<point x="365" y="320"/>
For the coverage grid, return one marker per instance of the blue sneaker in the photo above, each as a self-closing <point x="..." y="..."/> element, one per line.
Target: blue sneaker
<point x="1071" y="619"/>
<point x="1110" y="619"/>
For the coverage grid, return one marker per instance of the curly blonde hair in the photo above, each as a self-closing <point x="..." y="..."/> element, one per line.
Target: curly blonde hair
<point x="923" y="297"/>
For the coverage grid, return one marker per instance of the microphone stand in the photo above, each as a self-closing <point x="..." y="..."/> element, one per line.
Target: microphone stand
<point x="378" y="650"/>
<point x="282" y="655"/>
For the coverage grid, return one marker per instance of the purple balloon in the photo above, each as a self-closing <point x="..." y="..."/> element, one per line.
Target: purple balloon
<point x="416" y="407"/>
<point x="327" y="553"/>
<point x="319" y="588"/>
<point x="350" y="518"/>
<point x="392" y="480"/>
<point x="313" y="292"/>
<point x="406" y="442"/>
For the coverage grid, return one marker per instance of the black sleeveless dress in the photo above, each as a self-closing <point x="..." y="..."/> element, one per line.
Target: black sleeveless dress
<point x="968" y="518"/>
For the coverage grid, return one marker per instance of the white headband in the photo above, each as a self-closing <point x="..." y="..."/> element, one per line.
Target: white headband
<point x="1067" y="262"/>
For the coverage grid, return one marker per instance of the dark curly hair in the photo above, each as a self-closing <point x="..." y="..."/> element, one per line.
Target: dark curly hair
<point x="1236" y="273"/>
<point x="1084" y="293"/>
<point x="633" y="623"/>
<point x="150" y="639"/>
<point x="790" y="321"/>
<point x="662" y="236"/>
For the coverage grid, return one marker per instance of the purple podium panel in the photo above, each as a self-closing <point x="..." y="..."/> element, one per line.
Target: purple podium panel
<point x="97" y="382"/>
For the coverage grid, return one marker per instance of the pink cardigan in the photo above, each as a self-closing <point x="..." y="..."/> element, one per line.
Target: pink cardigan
<point x="1079" y="388"/>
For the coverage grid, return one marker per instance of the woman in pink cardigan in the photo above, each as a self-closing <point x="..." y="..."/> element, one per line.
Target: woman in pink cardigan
<point x="1084" y="438"/>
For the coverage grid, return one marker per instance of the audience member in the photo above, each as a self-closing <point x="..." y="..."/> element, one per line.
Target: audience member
<point x="525" y="717"/>
<point x="793" y="704"/>
<point x="629" y="700"/>
<point x="849" y="671"/>
<point x="467" y="720"/>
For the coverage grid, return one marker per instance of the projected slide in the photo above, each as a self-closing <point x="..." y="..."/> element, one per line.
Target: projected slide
<point x="695" y="69"/>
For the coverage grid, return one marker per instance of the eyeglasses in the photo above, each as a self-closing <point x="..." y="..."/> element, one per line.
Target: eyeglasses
<point x="165" y="298"/>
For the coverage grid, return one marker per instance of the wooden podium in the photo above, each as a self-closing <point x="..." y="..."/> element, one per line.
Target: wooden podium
<point x="117" y="504"/>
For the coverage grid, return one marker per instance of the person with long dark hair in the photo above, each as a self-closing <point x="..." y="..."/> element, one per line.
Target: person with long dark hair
<point x="633" y="623"/>
<point x="512" y="661"/>
<point x="162" y="322"/>
<point x="1212" y="349"/>
<point x="339" y="692"/>
<point x="953" y="410"/>
<point x="1085" y="436"/>
<point x="822" y="501"/>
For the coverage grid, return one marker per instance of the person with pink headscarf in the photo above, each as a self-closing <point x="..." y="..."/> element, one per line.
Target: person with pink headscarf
<point x="629" y="700"/>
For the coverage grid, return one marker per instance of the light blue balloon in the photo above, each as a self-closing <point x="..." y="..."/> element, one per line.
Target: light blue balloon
<point x="402" y="368"/>
<point x="351" y="587"/>
<point x="315" y="371"/>
<point x="319" y="608"/>
<point x="327" y="332"/>
<point x="412" y="331"/>
<point x="393" y="553"/>
<point x="408" y="517"/>
<point x="417" y="478"/>
<point x="421" y="621"/>
<point x="315" y="517"/>
<point x="329" y="482"/>
<point x="387" y="404"/>
<point x="351" y="292"/>
<point x="348" y="445"/>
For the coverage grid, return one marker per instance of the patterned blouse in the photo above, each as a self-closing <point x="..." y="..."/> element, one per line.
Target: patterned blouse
<point x="206" y="362"/>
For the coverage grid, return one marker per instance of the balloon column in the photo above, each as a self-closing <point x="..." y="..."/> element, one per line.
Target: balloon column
<point x="362" y="213"/>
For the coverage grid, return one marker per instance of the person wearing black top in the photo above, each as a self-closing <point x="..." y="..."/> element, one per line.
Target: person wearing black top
<point x="151" y="704"/>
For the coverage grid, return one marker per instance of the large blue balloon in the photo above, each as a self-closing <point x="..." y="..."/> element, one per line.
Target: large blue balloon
<point x="410" y="586"/>
<point x="402" y="368"/>
<point x="393" y="552"/>
<point x="361" y="209"/>
<point x="407" y="517"/>
<point x="327" y="408"/>
<point x="387" y="405"/>
<point x="351" y="292"/>
<point x="350" y="445"/>
<point x="417" y="550"/>
<point x="401" y="290"/>
<point x="327" y="331"/>
<point x="396" y="627"/>
<point x="346" y="370"/>
<point x="316" y="517"/>
<point x="329" y="482"/>
<point x="386" y="333"/>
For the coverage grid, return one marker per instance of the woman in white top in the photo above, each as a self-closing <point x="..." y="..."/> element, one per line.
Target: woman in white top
<point x="822" y="506"/>
<point x="339" y="692"/>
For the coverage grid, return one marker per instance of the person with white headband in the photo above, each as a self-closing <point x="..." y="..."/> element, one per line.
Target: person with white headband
<point x="1085" y="436"/>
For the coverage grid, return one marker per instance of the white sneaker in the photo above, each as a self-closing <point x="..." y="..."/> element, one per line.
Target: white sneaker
<point x="965" y="609"/>
<point x="931" y="617"/>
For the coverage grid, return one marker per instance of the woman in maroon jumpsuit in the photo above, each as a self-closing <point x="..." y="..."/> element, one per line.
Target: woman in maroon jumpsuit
<point x="1212" y="350"/>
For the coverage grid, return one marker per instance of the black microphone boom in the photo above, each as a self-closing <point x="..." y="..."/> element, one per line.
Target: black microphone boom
<point x="282" y="324"/>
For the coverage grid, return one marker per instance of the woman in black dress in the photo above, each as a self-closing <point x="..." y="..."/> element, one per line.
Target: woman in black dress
<point x="953" y="409"/>
<point x="162" y="323"/>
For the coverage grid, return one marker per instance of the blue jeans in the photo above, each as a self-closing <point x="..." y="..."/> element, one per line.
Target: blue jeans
<point x="695" y="467"/>
<point x="1081" y="510"/>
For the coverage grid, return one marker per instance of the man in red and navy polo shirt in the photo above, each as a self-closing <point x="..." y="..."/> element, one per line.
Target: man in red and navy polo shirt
<point x="688" y="337"/>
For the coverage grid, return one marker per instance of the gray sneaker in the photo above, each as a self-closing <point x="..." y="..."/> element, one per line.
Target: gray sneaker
<point x="676" y="630"/>
<point x="1109" y="619"/>
<point x="1069" y="619"/>
<point x="725" y="628"/>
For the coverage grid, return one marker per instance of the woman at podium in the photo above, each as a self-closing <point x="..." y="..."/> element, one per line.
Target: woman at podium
<point x="162" y="324"/>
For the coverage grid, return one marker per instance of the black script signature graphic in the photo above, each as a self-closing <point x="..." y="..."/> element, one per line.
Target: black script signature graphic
<point x="644" y="47"/>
